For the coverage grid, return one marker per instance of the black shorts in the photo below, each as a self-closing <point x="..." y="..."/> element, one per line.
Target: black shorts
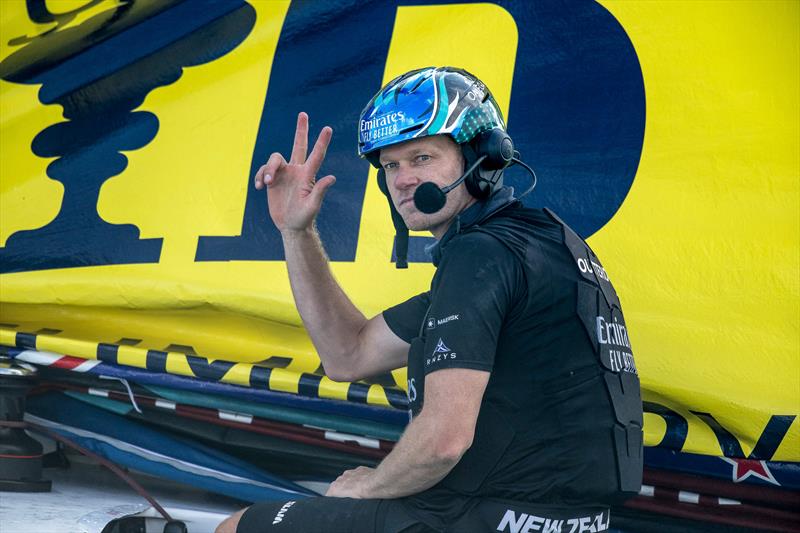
<point x="348" y="515"/>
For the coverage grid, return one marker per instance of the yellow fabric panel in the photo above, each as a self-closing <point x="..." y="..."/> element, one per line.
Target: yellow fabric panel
<point x="704" y="251"/>
<point x="75" y="347"/>
<point x="211" y="333"/>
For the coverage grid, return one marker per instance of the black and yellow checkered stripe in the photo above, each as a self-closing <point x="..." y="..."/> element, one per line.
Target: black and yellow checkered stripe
<point x="257" y="376"/>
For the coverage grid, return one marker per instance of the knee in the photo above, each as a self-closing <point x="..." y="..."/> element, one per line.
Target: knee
<point x="229" y="524"/>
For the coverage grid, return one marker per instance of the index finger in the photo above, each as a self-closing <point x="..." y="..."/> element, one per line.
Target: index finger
<point x="300" y="148"/>
<point x="320" y="148"/>
<point x="273" y="165"/>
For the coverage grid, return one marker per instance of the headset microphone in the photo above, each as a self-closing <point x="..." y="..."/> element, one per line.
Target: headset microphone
<point x="429" y="198"/>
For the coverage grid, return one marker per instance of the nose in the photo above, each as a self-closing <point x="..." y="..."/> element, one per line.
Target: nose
<point x="405" y="178"/>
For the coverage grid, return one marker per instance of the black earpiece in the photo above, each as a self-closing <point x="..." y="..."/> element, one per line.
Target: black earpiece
<point x="497" y="149"/>
<point x="497" y="146"/>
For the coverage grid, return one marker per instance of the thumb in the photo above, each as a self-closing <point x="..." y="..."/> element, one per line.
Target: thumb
<point x="321" y="187"/>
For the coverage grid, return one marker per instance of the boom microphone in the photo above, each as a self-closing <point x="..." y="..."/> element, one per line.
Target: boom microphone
<point x="430" y="198"/>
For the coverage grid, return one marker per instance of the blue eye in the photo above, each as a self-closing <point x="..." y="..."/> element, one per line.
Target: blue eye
<point x="423" y="157"/>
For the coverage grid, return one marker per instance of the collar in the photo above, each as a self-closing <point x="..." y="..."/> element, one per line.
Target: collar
<point x="474" y="214"/>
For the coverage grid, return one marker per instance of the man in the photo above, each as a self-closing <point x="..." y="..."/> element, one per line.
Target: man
<point x="527" y="414"/>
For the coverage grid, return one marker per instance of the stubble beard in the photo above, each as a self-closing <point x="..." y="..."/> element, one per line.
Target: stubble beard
<point x="418" y="221"/>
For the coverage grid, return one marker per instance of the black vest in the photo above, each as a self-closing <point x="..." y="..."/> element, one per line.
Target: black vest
<point x="575" y="436"/>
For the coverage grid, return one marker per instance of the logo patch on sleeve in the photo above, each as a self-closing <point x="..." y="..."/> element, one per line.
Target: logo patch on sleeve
<point x="432" y="322"/>
<point x="440" y="353"/>
<point x="446" y="320"/>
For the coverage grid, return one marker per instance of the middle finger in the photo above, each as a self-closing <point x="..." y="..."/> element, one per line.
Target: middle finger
<point x="320" y="148"/>
<point x="300" y="148"/>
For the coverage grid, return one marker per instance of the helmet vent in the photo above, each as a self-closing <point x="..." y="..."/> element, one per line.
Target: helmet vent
<point x="410" y="129"/>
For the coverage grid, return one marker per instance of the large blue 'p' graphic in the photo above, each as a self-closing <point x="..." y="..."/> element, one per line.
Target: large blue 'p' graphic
<point x="577" y="115"/>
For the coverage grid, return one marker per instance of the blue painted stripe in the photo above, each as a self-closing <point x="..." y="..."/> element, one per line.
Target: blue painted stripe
<point x="308" y="385"/>
<point x="108" y="352"/>
<point x="156" y="361"/>
<point x="156" y="452"/>
<point x="357" y="392"/>
<point x="25" y="341"/>
<point x="259" y="377"/>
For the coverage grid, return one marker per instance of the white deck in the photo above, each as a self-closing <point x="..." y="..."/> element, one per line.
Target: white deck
<point x="86" y="497"/>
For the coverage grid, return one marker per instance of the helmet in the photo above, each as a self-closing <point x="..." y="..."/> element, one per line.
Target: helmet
<point x="428" y="101"/>
<point x="437" y="101"/>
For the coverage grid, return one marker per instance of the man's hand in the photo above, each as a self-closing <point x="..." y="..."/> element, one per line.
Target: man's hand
<point x="432" y="444"/>
<point x="294" y="195"/>
<point x="351" y="484"/>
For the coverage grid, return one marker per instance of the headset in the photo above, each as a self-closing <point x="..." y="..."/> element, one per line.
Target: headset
<point x="486" y="157"/>
<point x="438" y="101"/>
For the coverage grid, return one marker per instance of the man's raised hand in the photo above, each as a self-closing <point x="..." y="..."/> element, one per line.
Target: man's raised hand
<point x="294" y="195"/>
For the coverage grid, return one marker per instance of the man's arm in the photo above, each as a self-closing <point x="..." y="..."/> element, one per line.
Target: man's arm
<point x="350" y="346"/>
<point x="432" y="444"/>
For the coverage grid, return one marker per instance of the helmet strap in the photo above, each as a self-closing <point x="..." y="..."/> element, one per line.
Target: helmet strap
<point x="400" y="228"/>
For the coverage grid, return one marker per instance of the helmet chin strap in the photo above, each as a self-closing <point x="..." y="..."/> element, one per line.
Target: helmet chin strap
<point x="428" y="198"/>
<point x="400" y="238"/>
<point x="400" y="228"/>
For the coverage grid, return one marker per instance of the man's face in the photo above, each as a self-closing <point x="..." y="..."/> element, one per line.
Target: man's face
<point x="437" y="159"/>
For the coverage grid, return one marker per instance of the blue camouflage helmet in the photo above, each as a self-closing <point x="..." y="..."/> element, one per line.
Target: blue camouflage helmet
<point x="428" y="101"/>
